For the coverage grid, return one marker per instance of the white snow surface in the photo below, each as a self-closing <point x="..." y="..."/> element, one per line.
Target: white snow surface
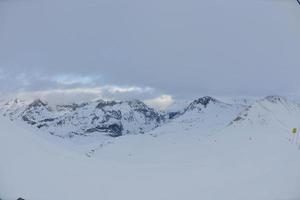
<point x="251" y="159"/>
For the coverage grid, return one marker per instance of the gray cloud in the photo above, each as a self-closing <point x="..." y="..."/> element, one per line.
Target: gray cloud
<point x="81" y="94"/>
<point x="184" y="48"/>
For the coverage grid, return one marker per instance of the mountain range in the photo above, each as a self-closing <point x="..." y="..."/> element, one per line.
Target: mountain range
<point x="118" y="118"/>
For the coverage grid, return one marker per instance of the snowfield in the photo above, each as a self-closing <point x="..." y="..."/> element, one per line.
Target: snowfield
<point x="253" y="158"/>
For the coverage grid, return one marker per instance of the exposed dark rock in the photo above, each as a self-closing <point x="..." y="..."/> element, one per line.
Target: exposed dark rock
<point x="204" y="101"/>
<point x="48" y="120"/>
<point x="60" y="122"/>
<point x="28" y="121"/>
<point x="42" y="125"/>
<point x="275" y="99"/>
<point x="113" y="130"/>
<point x="114" y="114"/>
<point x="173" y="115"/>
<point x="238" y="119"/>
<point x="94" y="118"/>
<point x="103" y="104"/>
<point x="37" y="103"/>
<point x="70" y="107"/>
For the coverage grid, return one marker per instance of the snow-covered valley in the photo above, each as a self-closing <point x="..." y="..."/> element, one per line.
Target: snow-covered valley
<point x="250" y="155"/>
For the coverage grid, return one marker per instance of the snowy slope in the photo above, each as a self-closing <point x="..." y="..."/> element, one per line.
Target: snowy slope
<point x="236" y="163"/>
<point x="272" y="112"/>
<point x="246" y="101"/>
<point x="204" y="115"/>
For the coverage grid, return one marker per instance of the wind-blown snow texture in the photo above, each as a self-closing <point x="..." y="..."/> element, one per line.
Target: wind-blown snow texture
<point x="249" y="154"/>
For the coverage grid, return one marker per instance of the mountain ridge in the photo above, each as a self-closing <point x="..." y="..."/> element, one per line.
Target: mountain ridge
<point x="113" y="118"/>
<point x="117" y="118"/>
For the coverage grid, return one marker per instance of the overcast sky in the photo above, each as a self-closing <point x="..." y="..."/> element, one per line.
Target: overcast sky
<point x="146" y="49"/>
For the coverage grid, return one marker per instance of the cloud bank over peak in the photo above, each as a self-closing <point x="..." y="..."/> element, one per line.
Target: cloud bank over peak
<point x="81" y="94"/>
<point x="75" y="88"/>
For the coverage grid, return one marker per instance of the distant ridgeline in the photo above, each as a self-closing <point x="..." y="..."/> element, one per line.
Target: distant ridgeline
<point x="117" y="118"/>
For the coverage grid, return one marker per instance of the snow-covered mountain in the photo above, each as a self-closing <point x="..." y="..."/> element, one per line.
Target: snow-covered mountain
<point x="204" y="115"/>
<point x="117" y="118"/>
<point x="111" y="118"/>
<point x="275" y="111"/>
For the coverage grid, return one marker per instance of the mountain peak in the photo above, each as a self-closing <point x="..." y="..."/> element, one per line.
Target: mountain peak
<point x="101" y="103"/>
<point x="37" y="103"/>
<point x="15" y="101"/>
<point x="275" y="98"/>
<point x="135" y="103"/>
<point x="203" y="101"/>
